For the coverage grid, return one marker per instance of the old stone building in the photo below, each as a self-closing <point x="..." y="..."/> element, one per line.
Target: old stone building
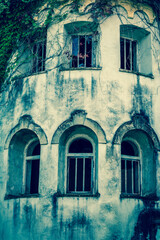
<point x="80" y="130"/>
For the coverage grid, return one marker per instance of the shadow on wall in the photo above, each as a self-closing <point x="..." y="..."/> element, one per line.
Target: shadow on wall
<point x="148" y="225"/>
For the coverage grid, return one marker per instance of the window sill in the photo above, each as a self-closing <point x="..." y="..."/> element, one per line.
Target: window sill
<point x="97" y="195"/>
<point x="138" y="196"/>
<point x="37" y="73"/>
<point x="137" y="73"/>
<point x="123" y="195"/>
<point x="8" y="196"/>
<point x="81" y="69"/>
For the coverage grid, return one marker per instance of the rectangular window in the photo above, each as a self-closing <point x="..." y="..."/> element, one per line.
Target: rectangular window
<point x="79" y="174"/>
<point x="130" y="178"/>
<point x="82" y="52"/>
<point x="128" y="52"/>
<point x="39" y="56"/>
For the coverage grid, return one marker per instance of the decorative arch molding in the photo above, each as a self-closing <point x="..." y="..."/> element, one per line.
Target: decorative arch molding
<point x="78" y="117"/>
<point x="26" y="122"/>
<point x="132" y="9"/>
<point x="138" y="122"/>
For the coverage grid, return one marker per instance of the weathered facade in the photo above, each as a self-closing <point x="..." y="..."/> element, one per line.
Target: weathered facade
<point x="79" y="149"/>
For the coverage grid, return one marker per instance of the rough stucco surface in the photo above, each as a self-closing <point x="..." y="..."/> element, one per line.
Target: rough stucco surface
<point x="109" y="97"/>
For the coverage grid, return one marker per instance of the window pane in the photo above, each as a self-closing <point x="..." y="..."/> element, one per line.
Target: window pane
<point x="39" y="57"/>
<point x="87" y="174"/>
<point x="34" y="58"/>
<point x="134" y="55"/>
<point x="129" y="149"/>
<point x="123" y="176"/>
<point x="72" y="174"/>
<point x="129" y="177"/>
<point x="80" y="174"/>
<point x="88" y="51"/>
<point x="81" y="51"/>
<point x="36" y="150"/>
<point x="81" y="146"/>
<point x="28" y="175"/>
<point x="128" y="55"/>
<point x="34" y="176"/>
<point x="75" y="51"/>
<point x="135" y="177"/>
<point x="122" y="53"/>
<point x="44" y="55"/>
<point x="95" y="41"/>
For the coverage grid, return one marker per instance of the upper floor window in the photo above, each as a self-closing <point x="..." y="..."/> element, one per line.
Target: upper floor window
<point x="82" y="40"/>
<point x="80" y="160"/>
<point x="128" y="50"/>
<point x="39" y="56"/>
<point x="135" y="49"/>
<point x="130" y="168"/>
<point x="82" y="54"/>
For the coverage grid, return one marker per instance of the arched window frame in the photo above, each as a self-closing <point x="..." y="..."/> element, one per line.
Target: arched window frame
<point x="28" y="158"/>
<point x="93" y="167"/>
<point x="15" y="145"/>
<point x="140" y="167"/>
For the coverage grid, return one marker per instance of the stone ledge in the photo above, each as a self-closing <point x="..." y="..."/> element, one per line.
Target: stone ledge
<point x="9" y="196"/>
<point x="97" y="195"/>
<point x="81" y="68"/>
<point x="137" y="73"/>
<point x="138" y="196"/>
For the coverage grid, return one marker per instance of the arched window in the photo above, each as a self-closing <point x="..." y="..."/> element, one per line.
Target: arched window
<point x="23" y="163"/>
<point x="130" y="168"/>
<point x="32" y="167"/>
<point x="80" y="160"/>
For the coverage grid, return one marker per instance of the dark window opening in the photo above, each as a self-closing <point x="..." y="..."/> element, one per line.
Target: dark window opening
<point x="34" y="176"/>
<point x="36" y="150"/>
<point x="130" y="168"/>
<point x="129" y="177"/>
<point x="129" y="149"/>
<point x="80" y="166"/>
<point x="81" y="146"/>
<point x="32" y="170"/>
<point x="72" y="174"/>
<point x="128" y="53"/>
<point x="39" y="57"/>
<point x="79" y="174"/>
<point x="135" y="176"/>
<point x="74" y="51"/>
<point x="88" y="174"/>
<point x="88" y="51"/>
<point x="123" y="176"/>
<point x="82" y="51"/>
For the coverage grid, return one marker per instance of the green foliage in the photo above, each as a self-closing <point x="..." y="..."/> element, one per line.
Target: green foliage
<point x="17" y="23"/>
